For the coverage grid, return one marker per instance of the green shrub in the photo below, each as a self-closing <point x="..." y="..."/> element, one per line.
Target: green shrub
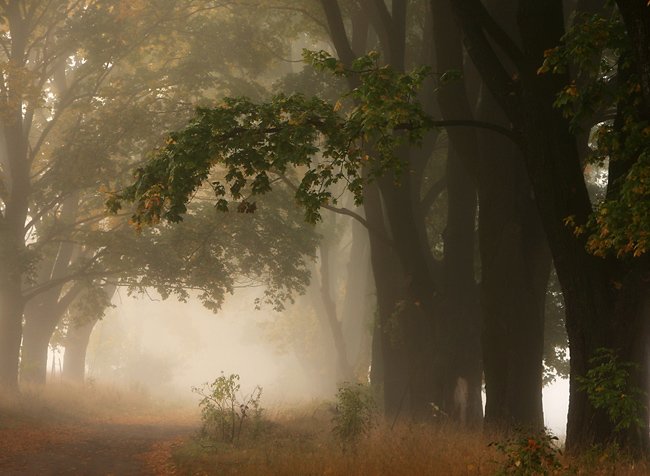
<point x="529" y="454"/>
<point x="608" y="385"/>
<point x="224" y="409"/>
<point x="355" y="413"/>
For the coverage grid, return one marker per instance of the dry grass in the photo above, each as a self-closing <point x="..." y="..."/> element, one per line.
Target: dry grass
<point x="300" y="443"/>
<point x="293" y="441"/>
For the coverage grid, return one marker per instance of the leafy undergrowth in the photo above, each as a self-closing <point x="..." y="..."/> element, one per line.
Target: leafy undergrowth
<point x="300" y="441"/>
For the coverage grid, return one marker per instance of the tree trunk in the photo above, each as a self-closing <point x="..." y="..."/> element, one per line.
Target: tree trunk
<point x="462" y="316"/>
<point x="460" y="339"/>
<point x="11" y="314"/>
<point x="37" y="332"/>
<point x="390" y="368"/>
<point x="604" y="297"/>
<point x="515" y="266"/>
<point x="357" y="312"/>
<point x="636" y="16"/>
<point x="13" y="148"/>
<point x="344" y="371"/>
<point x="76" y="344"/>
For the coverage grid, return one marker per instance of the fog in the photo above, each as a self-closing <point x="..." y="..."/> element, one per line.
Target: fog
<point x="406" y="221"/>
<point x="166" y="347"/>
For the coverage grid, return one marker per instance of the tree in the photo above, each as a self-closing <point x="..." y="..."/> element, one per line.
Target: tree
<point x="63" y="61"/>
<point x="603" y="296"/>
<point x="394" y="213"/>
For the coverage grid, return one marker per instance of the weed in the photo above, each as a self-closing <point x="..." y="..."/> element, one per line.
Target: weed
<point x="224" y="409"/>
<point x="355" y="412"/>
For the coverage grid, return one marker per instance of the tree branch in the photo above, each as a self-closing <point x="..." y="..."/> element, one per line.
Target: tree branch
<point x="345" y="211"/>
<point x="490" y="67"/>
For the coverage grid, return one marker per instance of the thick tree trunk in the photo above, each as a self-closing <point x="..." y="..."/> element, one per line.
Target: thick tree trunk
<point x="462" y="315"/>
<point x="390" y="369"/>
<point x="13" y="151"/>
<point x="636" y="16"/>
<point x="11" y="314"/>
<point x="460" y="339"/>
<point x="417" y="307"/>
<point x="604" y="297"/>
<point x="514" y="276"/>
<point x="407" y="368"/>
<point x="37" y="332"/>
<point x="42" y="314"/>
<point x="76" y="344"/>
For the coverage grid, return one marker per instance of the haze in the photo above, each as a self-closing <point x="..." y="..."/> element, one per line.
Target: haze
<point x="324" y="237"/>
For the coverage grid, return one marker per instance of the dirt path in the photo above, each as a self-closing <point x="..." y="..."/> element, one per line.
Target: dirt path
<point x="93" y="449"/>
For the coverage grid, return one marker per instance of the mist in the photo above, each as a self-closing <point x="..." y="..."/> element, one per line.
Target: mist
<point x="324" y="237"/>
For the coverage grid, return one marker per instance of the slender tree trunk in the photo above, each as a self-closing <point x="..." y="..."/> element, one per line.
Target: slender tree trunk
<point x="356" y="312"/>
<point x="76" y="345"/>
<point x="329" y="306"/>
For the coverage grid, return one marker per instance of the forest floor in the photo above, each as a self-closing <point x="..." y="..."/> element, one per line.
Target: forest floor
<point x="104" y="431"/>
<point x="81" y="431"/>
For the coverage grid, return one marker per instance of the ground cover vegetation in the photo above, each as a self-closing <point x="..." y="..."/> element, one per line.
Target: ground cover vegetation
<point x="487" y="162"/>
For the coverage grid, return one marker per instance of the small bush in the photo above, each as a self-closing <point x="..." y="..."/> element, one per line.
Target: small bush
<point x="529" y="454"/>
<point x="355" y="412"/>
<point x="224" y="409"/>
<point x="608" y="385"/>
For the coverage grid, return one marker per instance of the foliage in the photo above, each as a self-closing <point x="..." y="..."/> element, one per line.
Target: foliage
<point x="224" y="409"/>
<point x="608" y="79"/>
<point x="259" y="142"/>
<point x="556" y="353"/>
<point x="355" y="413"/>
<point x="529" y="454"/>
<point x="609" y="387"/>
<point x="97" y="85"/>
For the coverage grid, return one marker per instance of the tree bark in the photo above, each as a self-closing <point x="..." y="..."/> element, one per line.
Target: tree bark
<point x="37" y="332"/>
<point x="11" y="313"/>
<point x="13" y="152"/>
<point x="462" y="316"/>
<point x="344" y="370"/>
<point x="357" y="312"/>
<point x="636" y="16"/>
<point x="603" y="297"/>
<point x="391" y="373"/>
<point x="76" y="345"/>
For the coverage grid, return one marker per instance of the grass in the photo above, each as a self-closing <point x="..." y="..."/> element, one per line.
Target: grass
<point x="300" y="442"/>
<point x="295" y="440"/>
